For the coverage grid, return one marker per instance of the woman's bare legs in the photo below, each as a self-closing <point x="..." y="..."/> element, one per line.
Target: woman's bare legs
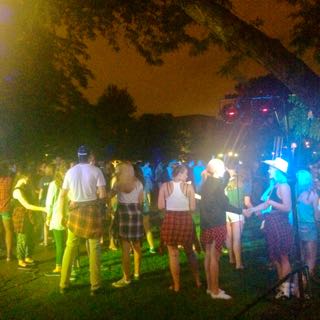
<point x="137" y="257"/>
<point x="112" y="243"/>
<point x="126" y="259"/>
<point x="237" y="228"/>
<point x="310" y="255"/>
<point x="7" y="224"/>
<point x="229" y="241"/>
<point x="174" y="267"/>
<point x="233" y="242"/>
<point x="193" y="262"/>
<point x="211" y="265"/>
<point x="147" y="230"/>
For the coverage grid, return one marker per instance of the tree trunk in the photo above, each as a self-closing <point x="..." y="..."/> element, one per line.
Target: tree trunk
<point x="268" y="52"/>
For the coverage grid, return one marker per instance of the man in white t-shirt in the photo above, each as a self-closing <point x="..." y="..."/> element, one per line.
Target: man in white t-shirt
<point x="84" y="184"/>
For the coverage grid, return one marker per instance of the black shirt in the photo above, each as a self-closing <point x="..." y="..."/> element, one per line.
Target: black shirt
<point x="214" y="204"/>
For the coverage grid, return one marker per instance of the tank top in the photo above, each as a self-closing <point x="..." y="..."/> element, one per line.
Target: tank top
<point x="131" y="197"/>
<point x="235" y="195"/>
<point x="270" y="193"/>
<point x="305" y="212"/>
<point x="274" y="195"/>
<point x="284" y="215"/>
<point x="177" y="200"/>
<point x="26" y="192"/>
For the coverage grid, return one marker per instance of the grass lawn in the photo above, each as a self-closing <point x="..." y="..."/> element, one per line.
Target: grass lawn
<point x="31" y="295"/>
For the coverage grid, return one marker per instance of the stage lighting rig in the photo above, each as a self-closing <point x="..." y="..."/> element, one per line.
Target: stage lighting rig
<point x="230" y="110"/>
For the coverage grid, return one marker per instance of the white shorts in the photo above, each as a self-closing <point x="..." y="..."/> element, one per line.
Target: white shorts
<point x="233" y="217"/>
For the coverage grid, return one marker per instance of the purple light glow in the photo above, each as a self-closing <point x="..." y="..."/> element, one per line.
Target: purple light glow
<point x="8" y="78"/>
<point x="5" y="14"/>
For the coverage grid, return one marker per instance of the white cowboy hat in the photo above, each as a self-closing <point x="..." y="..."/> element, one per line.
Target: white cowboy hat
<point x="278" y="163"/>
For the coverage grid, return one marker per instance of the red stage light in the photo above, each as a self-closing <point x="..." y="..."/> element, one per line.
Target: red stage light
<point x="264" y="109"/>
<point x="230" y="113"/>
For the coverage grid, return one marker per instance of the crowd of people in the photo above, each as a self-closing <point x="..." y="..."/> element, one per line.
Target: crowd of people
<point x="71" y="201"/>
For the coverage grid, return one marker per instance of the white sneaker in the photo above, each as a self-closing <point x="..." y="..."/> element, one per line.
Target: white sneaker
<point x="220" y="295"/>
<point x="282" y="295"/>
<point x="284" y="291"/>
<point x="209" y="292"/>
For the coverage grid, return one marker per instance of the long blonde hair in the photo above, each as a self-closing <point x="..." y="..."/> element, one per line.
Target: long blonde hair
<point x="126" y="179"/>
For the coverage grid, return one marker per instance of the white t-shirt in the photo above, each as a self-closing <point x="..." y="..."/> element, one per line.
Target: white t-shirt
<point x="52" y="207"/>
<point x="82" y="181"/>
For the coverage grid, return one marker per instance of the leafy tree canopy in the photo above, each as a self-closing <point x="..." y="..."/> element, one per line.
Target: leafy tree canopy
<point x="44" y="53"/>
<point x="48" y="52"/>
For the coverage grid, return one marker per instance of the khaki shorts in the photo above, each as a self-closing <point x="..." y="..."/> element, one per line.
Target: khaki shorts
<point x="233" y="217"/>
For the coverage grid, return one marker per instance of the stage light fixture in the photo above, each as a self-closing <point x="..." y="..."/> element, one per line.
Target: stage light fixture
<point x="307" y="144"/>
<point x="230" y="112"/>
<point x="264" y="109"/>
<point x="263" y="106"/>
<point x="294" y="145"/>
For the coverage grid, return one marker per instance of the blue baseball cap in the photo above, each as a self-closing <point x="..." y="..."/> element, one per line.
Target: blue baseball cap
<point x="83" y="151"/>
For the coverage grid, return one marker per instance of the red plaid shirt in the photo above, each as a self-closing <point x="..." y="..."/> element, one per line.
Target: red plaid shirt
<point x="5" y="193"/>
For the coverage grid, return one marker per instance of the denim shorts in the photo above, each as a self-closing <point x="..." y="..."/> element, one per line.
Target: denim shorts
<point x="308" y="231"/>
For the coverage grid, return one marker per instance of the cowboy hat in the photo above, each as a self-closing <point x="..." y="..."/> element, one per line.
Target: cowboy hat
<point x="278" y="163"/>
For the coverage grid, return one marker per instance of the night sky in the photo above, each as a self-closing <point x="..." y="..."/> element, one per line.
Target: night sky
<point x="184" y="84"/>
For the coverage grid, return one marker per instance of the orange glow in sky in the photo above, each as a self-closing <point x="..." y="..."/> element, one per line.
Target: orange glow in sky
<point x="184" y="84"/>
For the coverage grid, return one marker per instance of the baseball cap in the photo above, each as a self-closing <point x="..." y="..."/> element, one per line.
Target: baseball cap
<point x="83" y="150"/>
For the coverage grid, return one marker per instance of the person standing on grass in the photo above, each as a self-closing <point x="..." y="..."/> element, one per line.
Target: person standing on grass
<point x="177" y="198"/>
<point x="6" y="181"/>
<point x="308" y="218"/>
<point x="84" y="184"/>
<point x="146" y="206"/>
<point x="43" y="189"/>
<point x="213" y="206"/>
<point x="23" y="219"/>
<point x="197" y="175"/>
<point x="129" y="191"/>
<point x="148" y="181"/>
<point x="275" y="212"/>
<point x="238" y="191"/>
<point x="53" y="221"/>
